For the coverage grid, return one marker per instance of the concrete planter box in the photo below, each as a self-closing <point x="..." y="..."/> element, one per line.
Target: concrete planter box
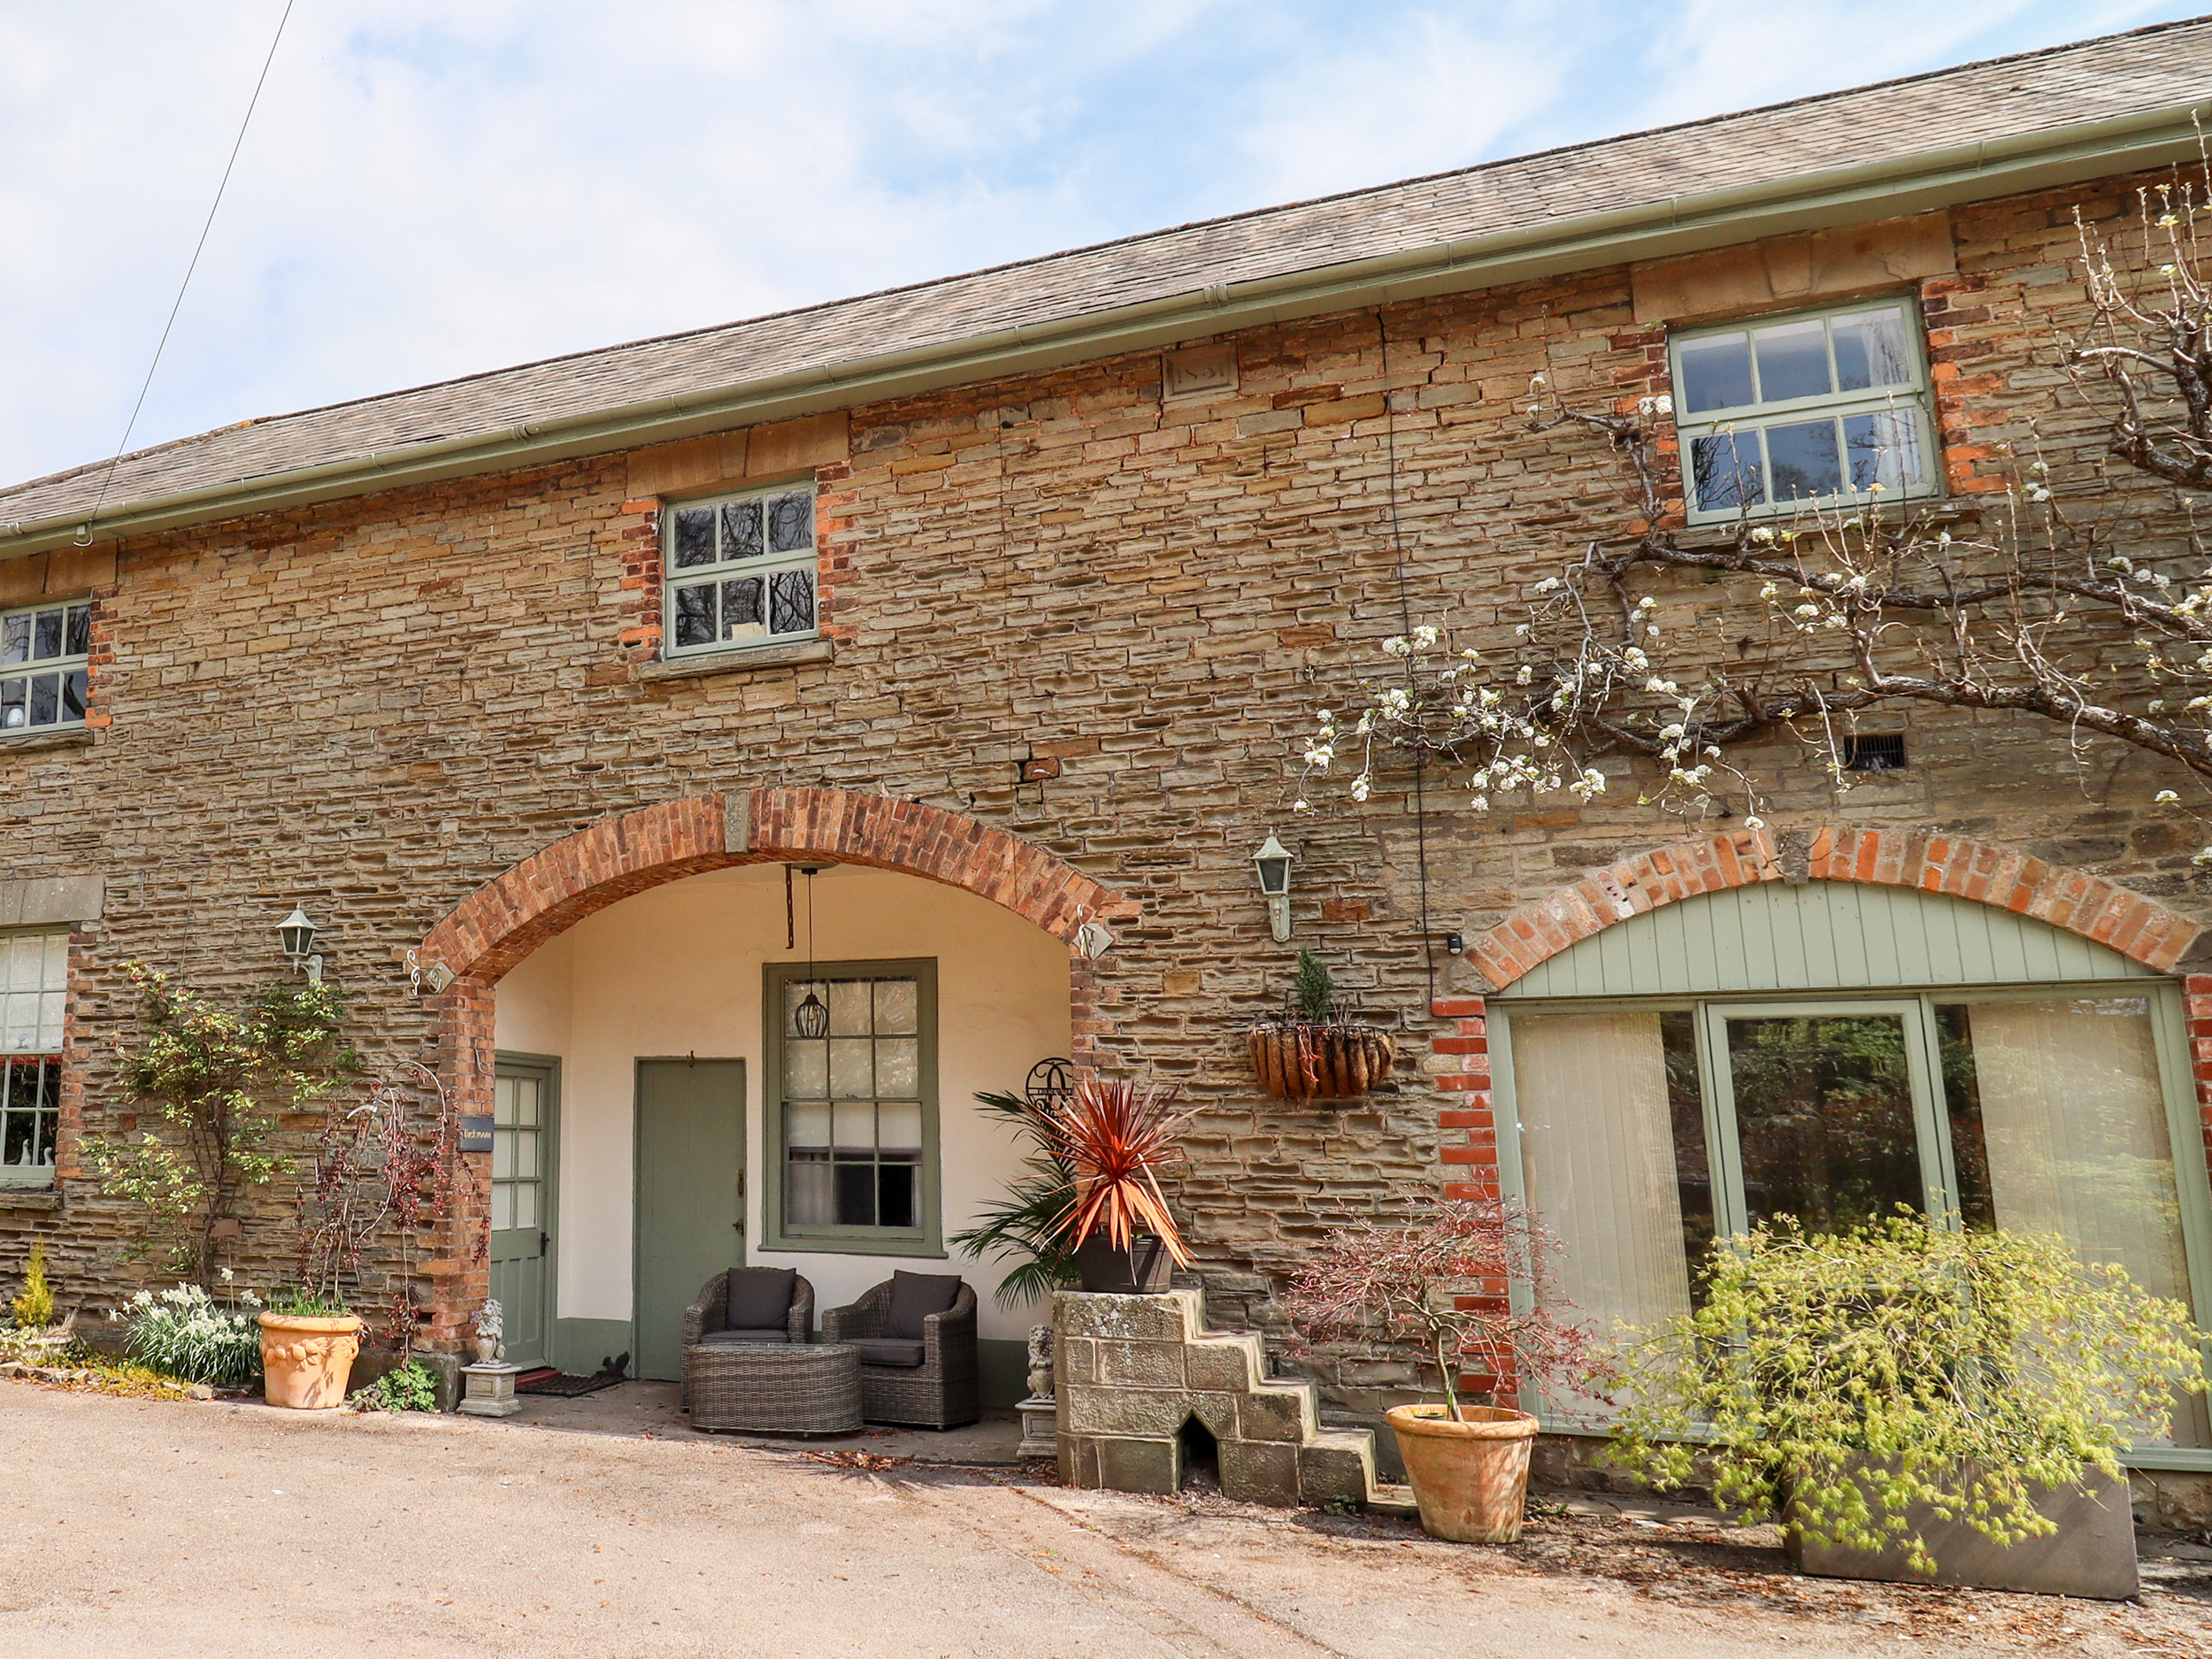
<point x="2091" y="1555"/>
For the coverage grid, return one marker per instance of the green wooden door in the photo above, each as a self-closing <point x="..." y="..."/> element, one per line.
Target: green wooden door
<point x="523" y="1137"/>
<point x="690" y="1196"/>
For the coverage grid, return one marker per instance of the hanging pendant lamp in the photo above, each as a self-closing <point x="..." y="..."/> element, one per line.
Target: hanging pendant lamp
<point x="811" y="1018"/>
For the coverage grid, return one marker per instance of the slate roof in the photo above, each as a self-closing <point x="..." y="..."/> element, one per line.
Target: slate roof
<point x="2004" y="98"/>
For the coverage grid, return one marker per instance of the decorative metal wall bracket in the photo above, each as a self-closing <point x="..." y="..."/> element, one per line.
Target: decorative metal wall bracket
<point x="432" y="973"/>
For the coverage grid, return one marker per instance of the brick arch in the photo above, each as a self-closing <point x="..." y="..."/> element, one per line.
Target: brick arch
<point x="493" y="929"/>
<point x="2138" y="927"/>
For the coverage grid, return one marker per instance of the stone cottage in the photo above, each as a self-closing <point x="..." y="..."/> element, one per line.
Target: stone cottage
<point x="953" y="647"/>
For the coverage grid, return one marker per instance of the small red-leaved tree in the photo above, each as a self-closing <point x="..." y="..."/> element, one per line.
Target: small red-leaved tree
<point x="1442" y="1278"/>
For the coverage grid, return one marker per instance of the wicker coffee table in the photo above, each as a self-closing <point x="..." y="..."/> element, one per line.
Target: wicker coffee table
<point x="773" y="1388"/>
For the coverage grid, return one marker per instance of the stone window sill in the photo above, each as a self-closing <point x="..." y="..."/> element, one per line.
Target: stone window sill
<point x="1927" y="510"/>
<point x="70" y="737"/>
<point x="29" y="1198"/>
<point x="740" y="662"/>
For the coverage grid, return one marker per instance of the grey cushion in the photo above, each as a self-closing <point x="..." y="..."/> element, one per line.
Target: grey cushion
<point x="914" y="1296"/>
<point x="760" y="1297"/>
<point x="884" y="1350"/>
<point x="751" y="1338"/>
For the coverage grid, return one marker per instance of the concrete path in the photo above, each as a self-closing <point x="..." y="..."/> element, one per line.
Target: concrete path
<point x="189" y="1528"/>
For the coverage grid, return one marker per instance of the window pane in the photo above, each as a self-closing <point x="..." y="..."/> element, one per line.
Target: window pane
<point x="14" y="694"/>
<point x="741" y="610"/>
<point x="807" y="1127"/>
<point x="898" y="1066"/>
<point x="46" y="635"/>
<point x="852" y="1068"/>
<point x="849" y="1005"/>
<point x="1802" y="457"/>
<point x="856" y="1186"/>
<point x="525" y="1155"/>
<point x="695" y="614"/>
<point x="73" y="695"/>
<point x="49" y="1019"/>
<point x="1605" y="1149"/>
<point x="526" y="1100"/>
<point x="1726" y="470"/>
<point x="899" y="1128"/>
<point x="1715" y="372"/>
<point x="694" y="537"/>
<point x="896" y="1186"/>
<point x="1870" y="351"/>
<point x="791" y="522"/>
<point x="1793" y="361"/>
<point x="1883" y="449"/>
<point x="795" y="992"/>
<point x="898" y="1007"/>
<point x="526" y="1204"/>
<point x="79" y="631"/>
<point x="45" y="699"/>
<point x="810" y="1194"/>
<point x="15" y="638"/>
<point x="740" y="529"/>
<point x="855" y="1130"/>
<point x="791" y="602"/>
<point x="503" y="1155"/>
<point x="502" y="1206"/>
<point x="1824" y="1118"/>
<point x="805" y="1070"/>
<point x="2072" y="1116"/>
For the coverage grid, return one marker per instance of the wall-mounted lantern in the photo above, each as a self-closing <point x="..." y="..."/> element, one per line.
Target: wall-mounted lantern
<point x="1273" y="862"/>
<point x="296" y="935"/>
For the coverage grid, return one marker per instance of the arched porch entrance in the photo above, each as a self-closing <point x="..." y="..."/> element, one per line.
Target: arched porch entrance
<point x="488" y="934"/>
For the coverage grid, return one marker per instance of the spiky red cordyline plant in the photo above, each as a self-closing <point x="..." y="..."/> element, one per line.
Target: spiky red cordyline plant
<point x="1443" y="1276"/>
<point x="1116" y="1134"/>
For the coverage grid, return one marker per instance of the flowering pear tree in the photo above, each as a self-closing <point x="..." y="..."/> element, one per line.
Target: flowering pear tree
<point x="1656" y="659"/>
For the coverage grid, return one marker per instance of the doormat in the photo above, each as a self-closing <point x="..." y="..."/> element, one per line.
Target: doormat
<point x="566" y="1386"/>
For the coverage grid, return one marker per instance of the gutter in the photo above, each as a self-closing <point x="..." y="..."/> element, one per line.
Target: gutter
<point x="1675" y="224"/>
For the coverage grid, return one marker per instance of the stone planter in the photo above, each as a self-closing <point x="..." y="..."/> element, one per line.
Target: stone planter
<point x="1302" y="1062"/>
<point x="1469" y="1478"/>
<point x="1140" y="1271"/>
<point x="305" y="1362"/>
<point x="2091" y="1555"/>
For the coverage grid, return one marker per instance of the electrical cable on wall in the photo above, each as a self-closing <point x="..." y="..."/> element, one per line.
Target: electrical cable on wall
<point x="84" y="535"/>
<point x="1405" y="618"/>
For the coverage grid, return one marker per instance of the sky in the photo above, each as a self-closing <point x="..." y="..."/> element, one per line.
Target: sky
<point x="433" y="187"/>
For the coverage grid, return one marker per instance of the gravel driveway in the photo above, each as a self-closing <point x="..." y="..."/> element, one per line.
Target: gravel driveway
<point x="186" y="1528"/>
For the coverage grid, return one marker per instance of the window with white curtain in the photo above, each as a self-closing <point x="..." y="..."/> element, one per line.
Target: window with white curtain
<point x="2038" y="1112"/>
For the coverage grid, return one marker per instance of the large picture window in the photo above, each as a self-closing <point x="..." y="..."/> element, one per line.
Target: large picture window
<point x="853" y="1111"/>
<point x="44" y="655"/>
<point x="1643" y="1131"/>
<point x="1792" y="412"/>
<point x="33" y="1002"/>
<point x="739" y="571"/>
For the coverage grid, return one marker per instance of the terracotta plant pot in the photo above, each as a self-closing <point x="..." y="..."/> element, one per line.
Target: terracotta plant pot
<point x="1140" y="1271"/>
<point x="1296" y="1062"/>
<point x="305" y="1362"/>
<point x="1470" y="1479"/>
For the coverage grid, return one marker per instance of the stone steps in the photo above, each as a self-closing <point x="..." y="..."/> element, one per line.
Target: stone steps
<point x="1133" y="1373"/>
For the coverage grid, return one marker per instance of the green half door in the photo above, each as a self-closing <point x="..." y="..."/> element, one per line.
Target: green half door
<point x="690" y="1196"/>
<point x="523" y="1108"/>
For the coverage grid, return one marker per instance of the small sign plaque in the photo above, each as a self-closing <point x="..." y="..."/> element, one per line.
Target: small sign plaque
<point x="476" y="1133"/>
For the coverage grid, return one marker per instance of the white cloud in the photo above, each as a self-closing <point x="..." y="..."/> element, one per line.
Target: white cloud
<point x="433" y="188"/>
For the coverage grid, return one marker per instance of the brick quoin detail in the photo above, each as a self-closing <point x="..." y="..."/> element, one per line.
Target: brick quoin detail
<point x="2138" y="927"/>
<point x="499" y="925"/>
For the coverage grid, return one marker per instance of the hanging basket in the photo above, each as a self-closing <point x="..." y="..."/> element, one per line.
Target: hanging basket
<point x="1294" y="1061"/>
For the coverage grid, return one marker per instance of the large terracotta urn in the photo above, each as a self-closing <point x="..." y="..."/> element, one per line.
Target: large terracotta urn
<point x="305" y="1361"/>
<point x="1471" y="1478"/>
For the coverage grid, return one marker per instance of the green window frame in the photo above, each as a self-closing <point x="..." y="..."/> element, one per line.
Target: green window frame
<point x="738" y="572"/>
<point x="45" y="662"/>
<point x="837" y="1111"/>
<point x="1815" y="408"/>
<point x="34" y="1014"/>
<point x="1916" y="1007"/>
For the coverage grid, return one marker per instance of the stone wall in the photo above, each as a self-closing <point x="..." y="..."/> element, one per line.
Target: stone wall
<point x="380" y="705"/>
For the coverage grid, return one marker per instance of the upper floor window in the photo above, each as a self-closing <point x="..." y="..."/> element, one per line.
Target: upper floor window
<point x="739" y="570"/>
<point x="44" y="653"/>
<point x="34" y="998"/>
<point x="1827" y="408"/>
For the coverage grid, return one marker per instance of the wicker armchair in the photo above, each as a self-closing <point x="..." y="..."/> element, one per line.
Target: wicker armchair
<point x="943" y="1392"/>
<point x="709" y="1313"/>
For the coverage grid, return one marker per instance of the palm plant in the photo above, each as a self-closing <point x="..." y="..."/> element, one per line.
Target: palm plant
<point x="1025" y="1223"/>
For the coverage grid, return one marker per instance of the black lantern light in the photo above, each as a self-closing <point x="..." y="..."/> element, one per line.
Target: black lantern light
<point x="811" y="1018"/>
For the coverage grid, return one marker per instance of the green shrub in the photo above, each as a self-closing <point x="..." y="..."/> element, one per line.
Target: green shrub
<point x="301" y="1303"/>
<point x="1313" y="991"/>
<point x="1846" y="1377"/>
<point x="411" y="1388"/>
<point x="35" y="1308"/>
<point x="187" y="1333"/>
